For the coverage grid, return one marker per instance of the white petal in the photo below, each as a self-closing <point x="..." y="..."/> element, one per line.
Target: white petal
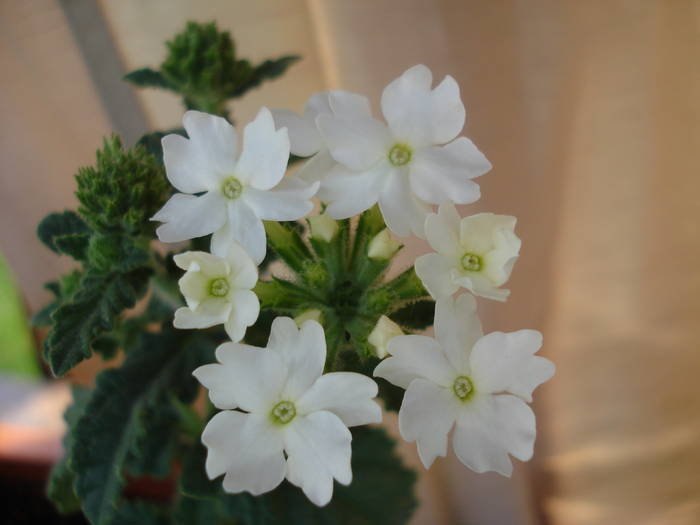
<point x="248" y="449"/>
<point x="476" y="232"/>
<point x="346" y="104"/>
<point x="187" y="216"/>
<point x="346" y="394"/>
<point x="402" y="211"/>
<point x="317" y="167"/>
<point x="217" y="379"/>
<point x="206" y="263"/>
<point x="505" y="362"/>
<point x="427" y="414"/>
<point x="256" y="376"/>
<point x="415" y="356"/>
<point x="498" y="263"/>
<point x="433" y="270"/>
<point x="243" y="271"/>
<point x="265" y="152"/>
<point x="349" y="193"/>
<point x="304" y="351"/>
<point x="244" y="313"/>
<point x="489" y="428"/>
<point x="245" y="227"/>
<point x="209" y="312"/>
<point x="357" y="143"/>
<point x="185" y="167"/>
<point x="318" y="450"/>
<point x="441" y="173"/>
<point x="457" y="328"/>
<point x="442" y="230"/>
<point x="195" y="287"/>
<point x="318" y="104"/>
<point x="304" y="138"/>
<point x="288" y="201"/>
<point x="215" y="141"/>
<point x="421" y="116"/>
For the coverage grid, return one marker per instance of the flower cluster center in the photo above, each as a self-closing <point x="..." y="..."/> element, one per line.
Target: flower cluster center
<point x="283" y="412"/>
<point x="219" y="287"/>
<point x="400" y="154"/>
<point x="463" y="388"/>
<point x="471" y="262"/>
<point x="232" y="188"/>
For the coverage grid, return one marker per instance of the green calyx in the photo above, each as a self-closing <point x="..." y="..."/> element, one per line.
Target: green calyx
<point x="463" y="388"/>
<point x="283" y="412"/>
<point x="471" y="262"/>
<point x="232" y="188"/>
<point x="219" y="287"/>
<point x="400" y="154"/>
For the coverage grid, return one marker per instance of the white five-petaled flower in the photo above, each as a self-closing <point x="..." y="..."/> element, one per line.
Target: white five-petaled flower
<point x="295" y="423"/>
<point x="304" y="136"/>
<point x="476" y="253"/>
<point x="238" y="192"/>
<point x="218" y="290"/>
<point x="478" y="384"/>
<point x="412" y="163"/>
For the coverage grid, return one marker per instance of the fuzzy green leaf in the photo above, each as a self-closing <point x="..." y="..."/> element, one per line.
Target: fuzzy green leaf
<point x="147" y="77"/>
<point x="65" y="233"/>
<point x="267" y="70"/>
<point x="288" y="245"/>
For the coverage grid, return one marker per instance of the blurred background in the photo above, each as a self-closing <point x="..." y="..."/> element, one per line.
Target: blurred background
<point x="589" y="112"/>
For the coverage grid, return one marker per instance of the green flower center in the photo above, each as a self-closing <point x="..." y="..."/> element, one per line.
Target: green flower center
<point x="400" y="154"/>
<point x="219" y="287"/>
<point x="283" y="412"/>
<point x="232" y="188"/>
<point x="471" y="262"/>
<point x="463" y="388"/>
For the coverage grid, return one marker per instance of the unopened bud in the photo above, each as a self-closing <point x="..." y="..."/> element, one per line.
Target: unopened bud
<point x="383" y="246"/>
<point x="323" y="228"/>
<point x="313" y="314"/>
<point x="383" y="331"/>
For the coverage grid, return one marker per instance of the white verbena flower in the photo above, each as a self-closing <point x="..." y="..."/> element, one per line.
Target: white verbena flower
<point x="239" y="192"/>
<point x="218" y="290"/>
<point x="477" y="384"/>
<point x="304" y="137"/>
<point x="408" y="165"/>
<point x="476" y="253"/>
<point x="383" y="332"/>
<point x="295" y="423"/>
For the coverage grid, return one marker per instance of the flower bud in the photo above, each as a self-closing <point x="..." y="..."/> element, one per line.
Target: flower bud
<point x="304" y="316"/>
<point x="383" y="331"/>
<point x="383" y="246"/>
<point x="323" y="228"/>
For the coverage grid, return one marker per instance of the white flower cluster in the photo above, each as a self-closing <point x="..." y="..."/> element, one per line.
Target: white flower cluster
<point x="281" y="416"/>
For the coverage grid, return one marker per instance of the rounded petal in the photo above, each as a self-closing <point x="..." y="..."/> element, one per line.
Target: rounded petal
<point x="349" y="193"/>
<point x="506" y="362"/>
<point x="265" y="153"/>
<point x="304" y="138"/>
<point x="402" y="211"/>
<point x="415" y="356"/>
<point x="302" y="349"/>
<point x="215" y="141"/>
<point x="209" y="312"/>
<point x="346" y="104"/>
<point x="489" y="428"/>
<point x="355" y="142"/>
<point x="244" y="312"/>
<point x="457" y="328"/>
<point x="289" y="201"/>
<point x="318" y="104"/>
<point x="442" y="230"/>
<point x="348" y="395"/>
<point x="427" y="414"/>
<point x="244" y="227"/>
<point x="499" y="262"/>
<point x="195" y="287"/>
<point x="203" y="262"/>
<point x="256" y="376"/>
<point x="479" y="285"/>
<point x="248" y="449"/>
<point x="187" y="217"/>
<point x="242" y="269"/>
<point x="419" y="115"/>
<point x="318" y="450"/>
<point x="434" y="271"/>
<point x="476" y="232"/>
<point x="317" y="167"/>
<point x="439" y="174"/>
<point x="185" y="167"/>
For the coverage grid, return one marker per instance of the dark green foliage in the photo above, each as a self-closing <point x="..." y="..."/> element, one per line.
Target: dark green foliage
<point x="417" y="315"/>
<point x="123" y="191"/>
<point x="65" y="233"/>
<point x="147" y="77"/>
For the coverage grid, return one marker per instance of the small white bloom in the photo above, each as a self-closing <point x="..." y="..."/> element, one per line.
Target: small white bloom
<point x="381" y="334"/>
<point x="476" y="253"/>
<point x="323" y="228"/>
<point x="239" y="192"/>
<point x="218" y="291"/>
<point x="408" y="165"/>
<point x="313" y="315"/>
<point x="383" y="246"/>
<point x="478" y="384"/>
<point x="304" y="137"/>
<point x="296" y="420"/>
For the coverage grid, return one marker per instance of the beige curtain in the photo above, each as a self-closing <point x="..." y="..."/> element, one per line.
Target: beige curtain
<point x="588" y="111"/>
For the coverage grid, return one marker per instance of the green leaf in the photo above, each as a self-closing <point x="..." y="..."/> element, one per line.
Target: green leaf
<point x="417" y="315"/>
<point x="127" y="415"/>
<point x="65" y="233"/>
<point x="267" y="70"/>
<point x="147" y="77"/>
<point x="288" y="245"/>
<point x="139" y="513"/>
<point x="117" y="253"/>
<point x="90" y="312"/>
